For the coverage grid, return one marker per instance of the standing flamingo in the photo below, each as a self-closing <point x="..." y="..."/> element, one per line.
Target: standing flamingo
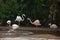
<point x="36" y="23"/>
<point x="19" y="18"/>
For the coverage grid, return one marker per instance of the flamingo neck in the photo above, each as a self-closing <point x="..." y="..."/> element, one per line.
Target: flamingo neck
<point x="22" y="18"/>
<point x="30" y="21"/>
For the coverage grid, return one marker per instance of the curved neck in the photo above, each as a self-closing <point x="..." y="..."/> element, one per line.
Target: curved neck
<point x="30" y="21"/>
<point x="22" y="18"/>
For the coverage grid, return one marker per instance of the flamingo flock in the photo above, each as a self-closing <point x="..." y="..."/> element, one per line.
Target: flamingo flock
<point x="15" y="26"/>
<point x="21" y="18"/>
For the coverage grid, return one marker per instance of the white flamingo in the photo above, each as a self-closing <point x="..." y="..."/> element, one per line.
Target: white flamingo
<point x="36" y="23"/>
<point x="19" y="18"/>
<point x="13" y="28"/>
<point x="9" y="22"/>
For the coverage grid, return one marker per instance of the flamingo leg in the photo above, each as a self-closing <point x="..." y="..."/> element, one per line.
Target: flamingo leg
<point x="36" y="29"/>
<point x="10" y="25"/>
<point x="19" y="23"/>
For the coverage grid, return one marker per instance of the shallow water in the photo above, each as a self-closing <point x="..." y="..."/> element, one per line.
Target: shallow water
<point x="25" y="38"/>
<point x="26" y="35"/>
<point x="29" y="37"/>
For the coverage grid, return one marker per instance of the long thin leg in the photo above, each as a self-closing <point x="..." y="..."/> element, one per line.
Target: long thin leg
<point x="36" y="29"/>
<point x="19" y="23"/>
<point x="10" y="25"/>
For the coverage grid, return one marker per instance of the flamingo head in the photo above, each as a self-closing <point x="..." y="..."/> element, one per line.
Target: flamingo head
<point x="49" y="24"/>
<point x="8" y="21"/>
<point x="24" y="15"/>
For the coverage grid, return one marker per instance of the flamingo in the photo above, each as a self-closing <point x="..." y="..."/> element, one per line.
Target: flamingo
<point x="53" y="26"/>
<point x="9" y="22"/>
<point x="36" y="23"/>
<point x="14" y="27"/>
<point x="19" y="18"/>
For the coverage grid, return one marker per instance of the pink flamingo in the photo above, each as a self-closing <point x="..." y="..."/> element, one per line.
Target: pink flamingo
<point x="36" y="23"/>
<point x="53" y="26"/>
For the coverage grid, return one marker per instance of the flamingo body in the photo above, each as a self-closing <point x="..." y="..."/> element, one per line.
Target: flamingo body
<point x="15" y="26"/>
<point x="53" y="26"/>
<point x="36" y="22"/>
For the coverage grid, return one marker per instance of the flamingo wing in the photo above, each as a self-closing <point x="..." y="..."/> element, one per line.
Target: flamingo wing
<point x="36" y="22"/>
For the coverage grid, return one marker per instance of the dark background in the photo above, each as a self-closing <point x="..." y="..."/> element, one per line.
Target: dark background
<point x="34" y="9"/>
